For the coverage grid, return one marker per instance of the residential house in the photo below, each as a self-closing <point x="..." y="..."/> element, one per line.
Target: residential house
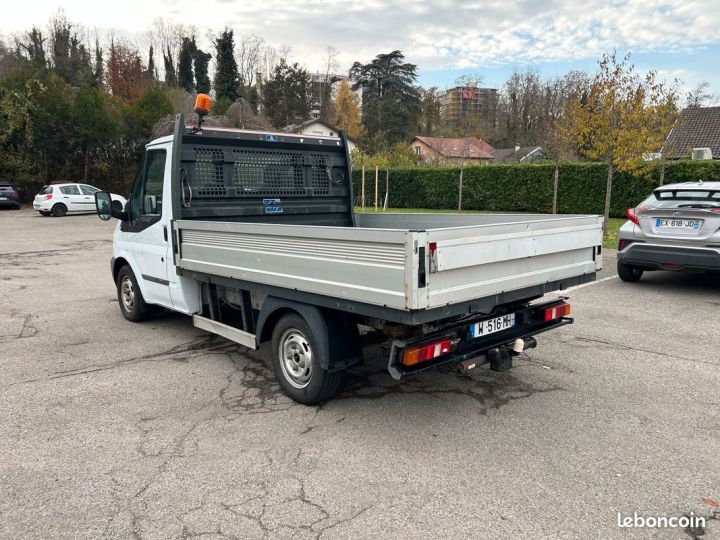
<point x="696" y="127"/>
<point x="445" y="151"/>
<point x="315" y="126"/>
<point x="518" y="154"/>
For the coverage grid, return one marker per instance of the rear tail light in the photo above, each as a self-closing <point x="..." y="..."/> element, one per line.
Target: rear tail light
<point x="48" y="196"/>
<point x="631" y="214"/>
<point x="555" y="311"/>
<point x="423" y="353"/>
<point x="715" y="210"/>
<point x="622" y="244"/>
<point x="13" y="193"/>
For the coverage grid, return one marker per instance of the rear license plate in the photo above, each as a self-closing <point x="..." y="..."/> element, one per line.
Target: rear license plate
<point x="498" y="324"/>
<point x="691" y="224"/>
<point x="3" y="198"/>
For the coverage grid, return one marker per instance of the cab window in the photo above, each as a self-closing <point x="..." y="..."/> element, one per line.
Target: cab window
<point x="146" y="197"/>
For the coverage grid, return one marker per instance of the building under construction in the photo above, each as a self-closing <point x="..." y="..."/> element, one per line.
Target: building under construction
<point x="471" y="107"/>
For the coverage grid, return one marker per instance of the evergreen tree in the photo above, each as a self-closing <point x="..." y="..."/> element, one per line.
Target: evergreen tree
<point x="201" y="61"/>
<point x="186" y="80"/>
<point x="151" y="64"/>
<point x="391" y="101"/>
<point x="227" y="79"/>
<point x="287" y="95"/>
<point x="170" y="77"/>
<point x="34" y="48"/>
<point x="98" y="71"/>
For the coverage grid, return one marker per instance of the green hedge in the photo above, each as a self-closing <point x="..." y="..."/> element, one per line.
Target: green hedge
<point x="527" y="188"/>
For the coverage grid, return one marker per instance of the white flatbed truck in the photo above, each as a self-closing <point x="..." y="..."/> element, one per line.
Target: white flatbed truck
<point x="254" y="235"/>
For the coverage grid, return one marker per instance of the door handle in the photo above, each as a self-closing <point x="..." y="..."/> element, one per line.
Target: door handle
<point x="165" y="232"/>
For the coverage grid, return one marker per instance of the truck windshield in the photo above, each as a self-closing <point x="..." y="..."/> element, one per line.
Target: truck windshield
<point x="683" y="199"/>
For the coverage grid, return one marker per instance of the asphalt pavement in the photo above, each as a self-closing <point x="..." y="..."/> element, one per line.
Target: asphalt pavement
<point x="158" y="430"/>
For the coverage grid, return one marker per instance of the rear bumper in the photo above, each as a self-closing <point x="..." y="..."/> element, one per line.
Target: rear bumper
<point x="468" y="348"/>
<point x="657" y="257"/>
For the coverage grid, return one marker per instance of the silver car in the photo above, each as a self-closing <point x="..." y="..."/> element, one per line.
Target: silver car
<point x="675" y="228"/>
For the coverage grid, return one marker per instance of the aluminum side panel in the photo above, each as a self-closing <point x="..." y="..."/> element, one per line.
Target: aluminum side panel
<point x="344" y="262"/>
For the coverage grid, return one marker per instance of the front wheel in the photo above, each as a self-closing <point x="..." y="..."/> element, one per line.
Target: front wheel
<point x="628" y="272"/>
<point x="296" y="360"/>
<point x="132" y="303"/>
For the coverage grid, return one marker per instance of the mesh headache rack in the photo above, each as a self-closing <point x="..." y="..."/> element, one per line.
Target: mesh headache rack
<point x="264" y="177"/>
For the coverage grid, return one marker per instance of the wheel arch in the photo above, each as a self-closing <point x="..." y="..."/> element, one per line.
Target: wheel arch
<point x="330" y="328"/>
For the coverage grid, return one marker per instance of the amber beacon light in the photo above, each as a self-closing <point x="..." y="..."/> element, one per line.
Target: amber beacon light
<point x="202" y="107"/>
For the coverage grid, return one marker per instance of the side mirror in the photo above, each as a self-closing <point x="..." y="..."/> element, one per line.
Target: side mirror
<point x="103" y="205"/>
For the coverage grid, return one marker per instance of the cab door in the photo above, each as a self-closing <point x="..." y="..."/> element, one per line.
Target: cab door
<point x="144" y="234"/>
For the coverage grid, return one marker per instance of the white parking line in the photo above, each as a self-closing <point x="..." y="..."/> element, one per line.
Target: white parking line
<point x="576" y="287"/>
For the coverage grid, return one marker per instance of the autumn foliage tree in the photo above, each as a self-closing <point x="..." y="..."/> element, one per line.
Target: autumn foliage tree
<point x="622" y="118"/>
<point x="347" y="112"/>
<point x="125" y="73"/>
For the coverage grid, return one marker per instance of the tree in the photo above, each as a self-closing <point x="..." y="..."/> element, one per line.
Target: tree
<point x="287" y="95"/>
<point x="227" y="80"/>
<point x="430" y="120"/>
<point x="170" y="76"/>
<point x="347" y="111"/>
<point x="700" y="96"/>
<point x="185" y="76"/>
<point x="99" y="69"/>
<point x="125" y="73"/>
<point x="623" y="117"/>
<point x="201" y="60"/>
<point x="92" y="123"/>
<point x="151" y="71"/>
<point x="391" y="101"/>
<point x="33" y="45"/>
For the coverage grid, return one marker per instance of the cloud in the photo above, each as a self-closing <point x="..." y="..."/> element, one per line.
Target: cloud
<point x="435" y="34"/>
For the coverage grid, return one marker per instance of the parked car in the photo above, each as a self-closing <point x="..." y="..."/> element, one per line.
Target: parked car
<point x="61" y="199"/>
<point x="9" y="198"/>
<point x="675" y="228"/>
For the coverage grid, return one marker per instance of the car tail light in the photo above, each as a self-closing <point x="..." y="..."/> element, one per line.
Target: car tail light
<point x="423" y="353"/>
<point x="13" y="193"/>
<point x="555" y="311"/>
<point x="48" y="196"/>
<point x="631" y="214"/>
<point x="715" y="210"/>
<point x="622" y="244"/>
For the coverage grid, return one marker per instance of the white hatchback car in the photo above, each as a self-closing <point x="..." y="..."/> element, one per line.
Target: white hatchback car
<point x="61" y="199"/>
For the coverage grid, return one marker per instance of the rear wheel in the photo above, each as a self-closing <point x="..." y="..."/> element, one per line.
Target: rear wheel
<point x="59" y="210"/>
<point x="628" y="272"/>
<point x="132" y="303"/>
<point x="296" y="360"/>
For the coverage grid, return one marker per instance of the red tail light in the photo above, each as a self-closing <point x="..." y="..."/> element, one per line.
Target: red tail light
<point x="423" y="353"/>
<point x="556" y="311"/>
<point x="715" y="210"/>
<point x="48" y="196"/>
<point x="632" y="216"/>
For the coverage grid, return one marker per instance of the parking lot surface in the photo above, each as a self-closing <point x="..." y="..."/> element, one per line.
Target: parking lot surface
<point x="159" y="430"/>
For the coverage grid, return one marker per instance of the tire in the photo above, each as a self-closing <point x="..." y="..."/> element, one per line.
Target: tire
<point x="116" y="206"/>
<point x="130" y="298"/>
<point x="59" y="210"/>
<point x="300" y="375"/>
<point x="629" y="273"/>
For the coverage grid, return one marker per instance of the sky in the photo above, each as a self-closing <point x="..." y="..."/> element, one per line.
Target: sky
<point x="678" y="38"/>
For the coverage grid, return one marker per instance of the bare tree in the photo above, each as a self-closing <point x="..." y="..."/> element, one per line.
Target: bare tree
<point x="249" y="57"/>
<point x="700" y="96"/>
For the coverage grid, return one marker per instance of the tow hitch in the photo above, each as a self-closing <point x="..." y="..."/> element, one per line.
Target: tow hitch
<point x="499" y="358"/>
